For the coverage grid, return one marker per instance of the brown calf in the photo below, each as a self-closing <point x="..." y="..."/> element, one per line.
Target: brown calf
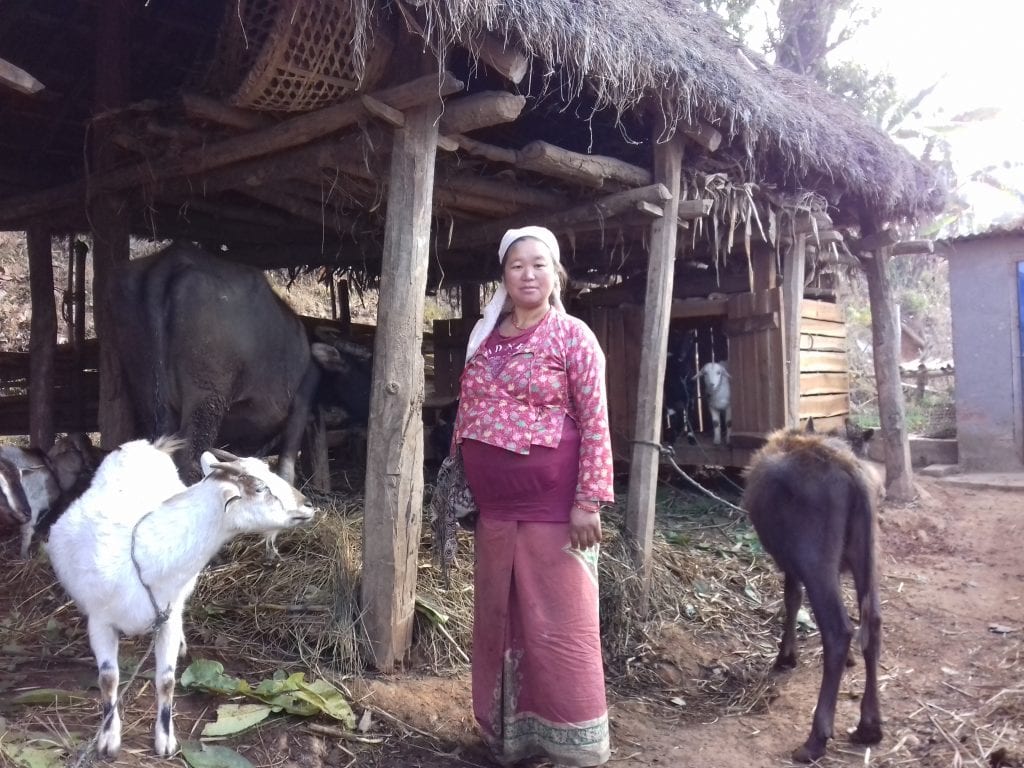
<point x="812" y="503"/>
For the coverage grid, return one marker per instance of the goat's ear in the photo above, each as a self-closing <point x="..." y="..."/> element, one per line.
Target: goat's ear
<point x="725" y="372"/>
<point x="810" y="425"/>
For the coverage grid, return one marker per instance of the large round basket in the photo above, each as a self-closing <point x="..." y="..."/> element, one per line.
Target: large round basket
<point x="297" y="55"/>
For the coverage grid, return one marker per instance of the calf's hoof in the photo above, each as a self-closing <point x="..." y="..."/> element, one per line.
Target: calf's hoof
<point x="809" y="752"/>
<point x="866" y="733"/>
<point x="785" y="661"/>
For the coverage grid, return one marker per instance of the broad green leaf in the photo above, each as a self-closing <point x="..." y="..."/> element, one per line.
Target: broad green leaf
<point x="290" y="693"/>
<point x="431" y="611"/>
<point x="235" y="718"/>
<point x="199" y="755"/>
<point x="209" y="675"/>
<point x="26" y="756"/>
<point x="47" y="696"/>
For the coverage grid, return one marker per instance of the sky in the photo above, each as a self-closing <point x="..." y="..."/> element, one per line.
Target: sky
<point x="974" y="49"/>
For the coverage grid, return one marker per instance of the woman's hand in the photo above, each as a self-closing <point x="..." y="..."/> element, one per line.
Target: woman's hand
<point x="584" y="528"/>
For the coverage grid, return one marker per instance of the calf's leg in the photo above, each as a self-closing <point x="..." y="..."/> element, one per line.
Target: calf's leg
<point x="793" y="596"/>
<point x="827" y="603"/>
<point x="869" y="729"/>
<point x="103" y="641"/>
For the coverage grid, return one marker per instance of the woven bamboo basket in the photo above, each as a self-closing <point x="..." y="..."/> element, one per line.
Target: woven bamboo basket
<point x="297" y="55"/>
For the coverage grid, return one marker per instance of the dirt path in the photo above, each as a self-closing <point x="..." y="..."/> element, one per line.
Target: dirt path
<point x="952" y="579"/>
<point x="952" y="681"/>
<point x="951" y="569"/>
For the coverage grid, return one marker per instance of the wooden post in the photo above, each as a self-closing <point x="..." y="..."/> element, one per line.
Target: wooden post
<point x="793" y="266"/>
<point x="43" y="339"/>
<point x="77" y="251"/>
<point x="469" y="294"/>
<point x="315" y="462"/>
<point x="643" y="476"/>
<point x="109" y="218"/>
<point x="885" y="335"/>
<point x="394" y="453"/>
<point x="344" y="305"/>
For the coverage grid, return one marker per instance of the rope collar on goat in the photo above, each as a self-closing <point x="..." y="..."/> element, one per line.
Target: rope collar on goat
<point x="159" y="616"/>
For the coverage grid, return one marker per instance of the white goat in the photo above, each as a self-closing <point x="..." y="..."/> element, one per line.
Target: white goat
<point x="130" y="549"/>
<point x="36" y="485"/>
<point x="717" y="396"/>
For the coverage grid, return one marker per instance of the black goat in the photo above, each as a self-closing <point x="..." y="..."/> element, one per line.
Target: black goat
<point x="680" y="388"/>
<point x="812" y="503"/>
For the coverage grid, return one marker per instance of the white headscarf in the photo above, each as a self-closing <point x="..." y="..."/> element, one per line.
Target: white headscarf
<point x="499" y="302"/>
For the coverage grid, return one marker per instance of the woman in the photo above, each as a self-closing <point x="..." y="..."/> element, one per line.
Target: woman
<point x="533" y="429"/>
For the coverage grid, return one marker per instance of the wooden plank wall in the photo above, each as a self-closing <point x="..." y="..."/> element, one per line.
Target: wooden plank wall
<point x="756" y="363"/>
<point x="450" y="337"/>
<point x="824" y="366"/>
<point x="618" y="331"/>
<point x="75" y="407"/>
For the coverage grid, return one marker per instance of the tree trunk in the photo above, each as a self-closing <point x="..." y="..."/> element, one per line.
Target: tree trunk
<point x="885" y="333"/>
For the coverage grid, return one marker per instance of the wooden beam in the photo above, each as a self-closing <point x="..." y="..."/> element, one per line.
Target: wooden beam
<point x="487" y="151"/>
<point x="108" y="217"/>
<point x="321" y="215"/>
<point x="913" y="247"/>
<point x="807" y="223"/>
<point x="43" y="338"/>
<point x="499" y="55"/>
<point x="703" y="135"/>
<point x="18" y="79"/>
<point x="481" y="110"/>
<point x="596" y="210"/>
<point x="517" y="194"/>
<point x="467" y="201"/>
<point x="268" y="141"/>
<point x="394" y="465"/>
<point x="794" y="262"/>
<point x="212" y="111"/>
<point x="650" y="209"/>
<point x="447" y="144"/>
<point x="885" y="335"/>
<point x="591" y="170"/>
<point x="694" y="209"/>
<point x="382" y="111"/>
<point x="646" y="458"/>
<point x="882" y="238"/>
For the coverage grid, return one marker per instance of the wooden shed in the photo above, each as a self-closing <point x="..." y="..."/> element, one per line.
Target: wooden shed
<point x="397" y="141"/>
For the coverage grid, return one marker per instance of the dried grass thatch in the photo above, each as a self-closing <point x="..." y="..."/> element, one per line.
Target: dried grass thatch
<point x="783" y="127"/>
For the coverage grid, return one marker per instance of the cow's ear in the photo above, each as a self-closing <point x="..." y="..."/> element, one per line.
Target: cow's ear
<point x="329" y="358"/>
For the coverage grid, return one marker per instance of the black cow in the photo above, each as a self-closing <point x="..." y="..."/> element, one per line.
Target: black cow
<point x="211" y="353"/>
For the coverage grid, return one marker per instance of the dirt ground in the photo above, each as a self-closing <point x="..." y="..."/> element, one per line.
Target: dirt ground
<point x="952" y="678"/>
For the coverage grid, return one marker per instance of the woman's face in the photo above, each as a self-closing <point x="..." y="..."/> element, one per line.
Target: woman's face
<point x="529" y="273"/>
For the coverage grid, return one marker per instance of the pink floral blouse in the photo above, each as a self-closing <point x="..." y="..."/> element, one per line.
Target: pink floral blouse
<point x="557" y="369"/>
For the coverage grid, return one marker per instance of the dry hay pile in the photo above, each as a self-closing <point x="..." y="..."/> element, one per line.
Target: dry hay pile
<point x="303" y="608"/>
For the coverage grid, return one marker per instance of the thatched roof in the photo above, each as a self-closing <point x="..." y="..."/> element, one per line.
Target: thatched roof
<point x="599" y="73"/>
<point x="627" y="52"/>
